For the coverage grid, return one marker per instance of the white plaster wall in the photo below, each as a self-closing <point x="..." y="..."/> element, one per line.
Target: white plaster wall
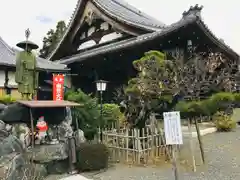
<point x="2" y="78"/>
<point x="87" y="44"/>
<point x="110" y="37"/>
<point x="106" y="38"/>
<point x="11" y="77"/>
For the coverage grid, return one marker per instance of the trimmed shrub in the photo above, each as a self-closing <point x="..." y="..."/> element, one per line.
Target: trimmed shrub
<point x="190" y="109"/>
<point x="237" y="99"/>
<point x="223" y="122"/>
<point x="112" y="115"/>
<point x="92" y="157"/>
<point x="208" y="107"/>
<point x="221" y="101"/>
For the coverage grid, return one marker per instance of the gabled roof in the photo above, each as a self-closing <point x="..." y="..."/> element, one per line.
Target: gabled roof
<point x="190" y="17"/>
<point x="118" y="10"/>
<point x="8" y="58"/>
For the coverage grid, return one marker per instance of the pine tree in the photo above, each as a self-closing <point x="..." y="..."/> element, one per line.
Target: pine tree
<point x="52" y="38"/>
<point x="47" y="44"/>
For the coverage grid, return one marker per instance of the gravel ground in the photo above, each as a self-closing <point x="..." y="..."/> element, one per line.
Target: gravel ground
<point x="222" y="163"/>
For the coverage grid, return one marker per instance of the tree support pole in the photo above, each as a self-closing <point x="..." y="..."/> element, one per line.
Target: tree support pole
<point x="200" y="140"/>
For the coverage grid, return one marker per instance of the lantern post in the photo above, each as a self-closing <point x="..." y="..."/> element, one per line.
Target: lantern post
<point x="101" y="86"/>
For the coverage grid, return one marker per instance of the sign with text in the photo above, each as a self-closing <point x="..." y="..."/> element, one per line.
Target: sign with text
<point x="172" y="128"/>
<point x="58" y="87"/>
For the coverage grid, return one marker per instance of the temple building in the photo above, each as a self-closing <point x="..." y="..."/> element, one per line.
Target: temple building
<point x="103" y="37"/>
<point x="8" y="86"/>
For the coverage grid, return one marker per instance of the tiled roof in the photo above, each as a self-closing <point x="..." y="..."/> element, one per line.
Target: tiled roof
<point x="7" y="55"/>
<point x="8" y="58"/>
<point x="126" y="43"/>
<point x="128" y="14"/>
<point x="119" y="10"/>
<point x="188" y="19"/>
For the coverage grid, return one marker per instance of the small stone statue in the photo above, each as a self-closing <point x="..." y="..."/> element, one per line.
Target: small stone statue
<point x="64" y="129"/>
<point x="22" y="132"/>
<point x="26" y="75"/>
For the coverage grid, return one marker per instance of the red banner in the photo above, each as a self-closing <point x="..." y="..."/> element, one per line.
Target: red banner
<point x="58" y="84"/>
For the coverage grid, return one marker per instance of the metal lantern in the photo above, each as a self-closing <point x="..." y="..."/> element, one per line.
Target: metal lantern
<point x="101" y="85"/>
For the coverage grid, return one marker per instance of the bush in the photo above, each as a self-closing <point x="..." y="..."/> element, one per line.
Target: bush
<point x="223" y="122"/>
<point x="87" y="115"/>
<point x="208" y="107"/>
<point x="7" y="99"/>
<point x="221" y="101"/>
<point x="237" y="99"/>
<point x="112" y="115"/>
<point x="190" y="109"/>
<point x="92" y="157"/>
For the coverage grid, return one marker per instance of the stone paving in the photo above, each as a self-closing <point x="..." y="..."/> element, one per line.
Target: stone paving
<point x="222" y="163"/>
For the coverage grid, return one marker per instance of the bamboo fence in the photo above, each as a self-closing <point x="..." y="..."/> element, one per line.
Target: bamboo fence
<point x="136" y="146"/>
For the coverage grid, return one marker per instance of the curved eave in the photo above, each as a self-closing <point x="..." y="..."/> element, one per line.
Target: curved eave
<point x="215" y="40"/>
<point x="149" y="37"/>
<point x="120" y="19"/>
<point x="129" y="42"/>
<point x="77" y="13"/>
<point x="38" y="68"/>
<point x="69" y="27"/>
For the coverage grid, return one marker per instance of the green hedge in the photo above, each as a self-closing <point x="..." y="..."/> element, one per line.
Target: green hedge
<point x="92" y="157"/>
<point x="208" y="107"/>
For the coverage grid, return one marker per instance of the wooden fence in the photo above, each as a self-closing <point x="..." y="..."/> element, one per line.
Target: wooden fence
<point x="135" y="146"/>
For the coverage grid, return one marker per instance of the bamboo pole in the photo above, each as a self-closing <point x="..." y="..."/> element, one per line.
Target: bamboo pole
<point x="191" y="145"/>
<point x="200" y="141"/>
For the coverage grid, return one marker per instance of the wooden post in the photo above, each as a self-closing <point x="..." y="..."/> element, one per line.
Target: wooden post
<point x="138" y="146"/>
<point x="32" y="127"/>
<point x="152" y="143"/>
<point x="174" y="162"/>
<point x="143" y="146"/>
<point x="200" y="140"/>
<point x="127" y="144"/>
<point x="147" y="145"/>
<point x="191" y="145"/>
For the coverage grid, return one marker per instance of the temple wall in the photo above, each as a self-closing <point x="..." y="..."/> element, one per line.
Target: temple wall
<point x="11" y="82"/>
<point x="11" y="78"/>
<point x="106" y="38"/>
<point x="2" y="78"/>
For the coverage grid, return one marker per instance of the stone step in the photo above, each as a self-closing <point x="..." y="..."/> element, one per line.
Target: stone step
<point x="75" y="177"/>
<point x="203" y="132"/>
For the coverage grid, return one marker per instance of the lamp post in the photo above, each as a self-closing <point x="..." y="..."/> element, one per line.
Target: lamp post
<point x="101" y="86"/>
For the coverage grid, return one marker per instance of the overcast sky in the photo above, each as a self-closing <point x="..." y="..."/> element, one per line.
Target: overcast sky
<point x="222" y="17"/>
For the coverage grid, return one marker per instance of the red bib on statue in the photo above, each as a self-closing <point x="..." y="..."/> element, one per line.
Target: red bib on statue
<point x="42" y="126"/>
